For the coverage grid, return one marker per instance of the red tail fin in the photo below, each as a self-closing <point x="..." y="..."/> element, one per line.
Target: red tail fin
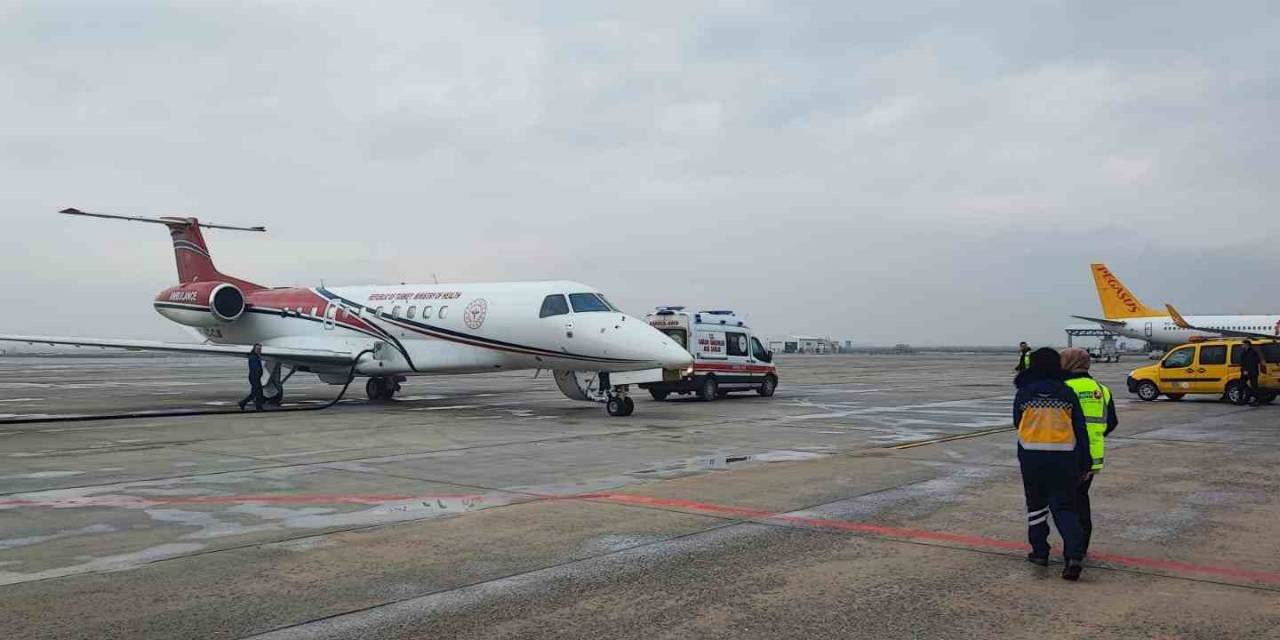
<point x="192" y="255"/>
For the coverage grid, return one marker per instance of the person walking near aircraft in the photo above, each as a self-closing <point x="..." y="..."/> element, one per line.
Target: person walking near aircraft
<point x="255" y="379"/>
<point x="1053" y="455"/>
<point x="1251" y="365"/>
<point x="1024" y="357"/>
<point x="1100" y="420"/>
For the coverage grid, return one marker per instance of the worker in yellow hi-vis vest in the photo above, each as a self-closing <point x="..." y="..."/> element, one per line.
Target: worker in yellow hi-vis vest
<point x="1100" y="420"/>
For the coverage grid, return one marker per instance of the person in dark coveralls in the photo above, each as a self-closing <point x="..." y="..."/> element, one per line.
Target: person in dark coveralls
<point x="1251" y="365"/>
<point x="1053" y="454"/>
<point x="1100" y="420"/>
<point x="255" y="379"/>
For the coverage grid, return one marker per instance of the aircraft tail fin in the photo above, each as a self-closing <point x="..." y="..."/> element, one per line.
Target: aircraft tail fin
<point x="191" y="254"/>
<point x="1117" y="301"/>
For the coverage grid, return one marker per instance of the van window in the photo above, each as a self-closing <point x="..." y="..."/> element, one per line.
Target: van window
<point x="587" y="302"/>
<point x="1180" y="358"/>
<point x="679" y="336"/>
<point x="759" y="352"/>
<point x="735" y="343"/>
<point x="1270" y="352"/>
<point x="553" y="305"/>
<point x="1213" y="354"/>
<point x="1235" y="354"/>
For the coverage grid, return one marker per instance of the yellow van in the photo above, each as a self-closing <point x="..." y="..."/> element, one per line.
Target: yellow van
<point x="1206" y="367"/>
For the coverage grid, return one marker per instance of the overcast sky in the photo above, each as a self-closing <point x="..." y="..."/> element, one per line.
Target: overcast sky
<point x="940" y="174"/>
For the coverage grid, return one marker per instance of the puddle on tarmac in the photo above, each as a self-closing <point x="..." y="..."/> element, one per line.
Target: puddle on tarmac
<point x="700" y="464"/>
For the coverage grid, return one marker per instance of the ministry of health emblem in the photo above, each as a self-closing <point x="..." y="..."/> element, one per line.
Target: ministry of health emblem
<point x="473" y="316"/>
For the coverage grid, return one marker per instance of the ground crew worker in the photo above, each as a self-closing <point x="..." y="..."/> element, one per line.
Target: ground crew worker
<point x="1251" y="366"/>
<point x="255" y="379"/>
<point x="1099" y="420"/>
<point x="1024" y="357"/>
<point x="1053" y="454"/>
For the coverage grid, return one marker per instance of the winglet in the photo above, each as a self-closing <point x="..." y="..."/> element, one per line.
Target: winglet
<point x="1177" y="318"/>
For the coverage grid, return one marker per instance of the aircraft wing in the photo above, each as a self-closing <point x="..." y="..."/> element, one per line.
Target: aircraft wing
<point x="299" y="356"/>
<point x="1110" y="324"/>
<point x="1230" y="333"/>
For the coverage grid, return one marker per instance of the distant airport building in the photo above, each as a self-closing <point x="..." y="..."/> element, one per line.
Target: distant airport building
<point x="808" y="344"/>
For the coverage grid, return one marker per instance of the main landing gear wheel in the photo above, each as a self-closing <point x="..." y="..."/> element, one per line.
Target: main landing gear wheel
<point x="620" y="406"/>
<point x="277" y="399"/>
<point x="658" y="395"/>
<point x="379" y="388"/>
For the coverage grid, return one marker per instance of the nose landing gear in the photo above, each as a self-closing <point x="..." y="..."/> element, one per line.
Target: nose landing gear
<point x="619" y="404"/>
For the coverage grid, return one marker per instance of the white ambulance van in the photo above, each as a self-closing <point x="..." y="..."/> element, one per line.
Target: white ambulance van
<point x="726" y="357"/>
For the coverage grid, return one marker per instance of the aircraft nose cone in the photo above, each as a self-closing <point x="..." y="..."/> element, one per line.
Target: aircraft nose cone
<point x="673" y="356"/>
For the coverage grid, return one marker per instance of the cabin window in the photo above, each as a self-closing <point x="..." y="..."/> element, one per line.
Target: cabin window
<point x="426" y="312"/>
<point x="587" y="302"/>
<point x="378" y="311"/>
<point x="553" y="305"/>
<point x="395" y="311"/>
<point x="444" y="311"/>
<point x="410" y="312"/>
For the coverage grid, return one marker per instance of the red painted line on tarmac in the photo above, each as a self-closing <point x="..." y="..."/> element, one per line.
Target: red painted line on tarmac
<point x="891" y="532"/>
<point x="904" y="533"/>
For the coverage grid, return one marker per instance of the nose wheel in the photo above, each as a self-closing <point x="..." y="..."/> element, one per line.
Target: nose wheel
<point x="619" y="404"/>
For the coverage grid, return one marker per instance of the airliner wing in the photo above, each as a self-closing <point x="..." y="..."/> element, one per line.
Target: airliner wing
<point x="1111" y="324"/>
<point x="299" y="356"/>
<point x="1230" y="333"/>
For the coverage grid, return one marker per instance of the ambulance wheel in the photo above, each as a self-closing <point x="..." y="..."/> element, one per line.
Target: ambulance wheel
<point x="708" y="390"/>
<point x="768" y="386"/>
<point x="1235" y="392"/>
<point x="1175" y="396"/>
<point x="617" y="406"/>
<point x="658" y="395"/>
<point x="1148" y="391"/>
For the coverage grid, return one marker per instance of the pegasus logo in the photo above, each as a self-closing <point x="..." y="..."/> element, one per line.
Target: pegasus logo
<point x="1119" y="291"/>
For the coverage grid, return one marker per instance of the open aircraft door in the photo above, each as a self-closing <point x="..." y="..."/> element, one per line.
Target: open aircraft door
<point x="1146" y="330"/>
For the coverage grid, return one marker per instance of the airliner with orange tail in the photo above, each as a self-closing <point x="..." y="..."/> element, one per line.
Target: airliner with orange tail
<point x="1125" y="314"/>
<point x="387" y="333"/>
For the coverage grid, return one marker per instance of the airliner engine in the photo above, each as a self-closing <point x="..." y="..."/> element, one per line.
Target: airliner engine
<point x="201" y="304"/>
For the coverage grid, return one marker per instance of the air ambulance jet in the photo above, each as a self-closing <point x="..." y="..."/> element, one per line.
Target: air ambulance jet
<point x="1126" y="315"/>
<point x="389" y="332"/>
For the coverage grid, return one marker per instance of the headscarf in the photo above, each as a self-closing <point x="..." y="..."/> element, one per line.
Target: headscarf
<point x="1075" y="360"/>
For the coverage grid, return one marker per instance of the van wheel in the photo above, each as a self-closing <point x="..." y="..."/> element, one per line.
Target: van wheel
<point x="658" y="395"/>
<point x="1266" y="397"/>
<point x="1175" y="396"/>
<point x="1148" y="391"/>
<point x="1235" y="392"/>
<point x="767" y="387"/>
<point x="709" y="389"/>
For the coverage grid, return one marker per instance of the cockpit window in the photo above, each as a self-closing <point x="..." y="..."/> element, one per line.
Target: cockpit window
<point x="553" y="305"/>
<point x="588" y="302"/>
<point x="606" y="302"/>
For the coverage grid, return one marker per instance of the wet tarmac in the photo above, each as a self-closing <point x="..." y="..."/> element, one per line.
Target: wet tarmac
<point x="874" y="496"/>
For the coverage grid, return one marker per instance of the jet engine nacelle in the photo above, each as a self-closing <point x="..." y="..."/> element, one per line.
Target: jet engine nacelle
<point x="579" y="385"/>
<point x="201" y="304"/>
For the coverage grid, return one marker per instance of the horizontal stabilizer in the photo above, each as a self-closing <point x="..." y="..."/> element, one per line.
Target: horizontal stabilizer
<point x="1182" y="323"/>
<point x="172" y="222"/>
<point x="1110" y="324"/>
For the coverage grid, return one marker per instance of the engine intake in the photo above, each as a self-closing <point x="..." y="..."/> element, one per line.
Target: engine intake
<point x="201" y="304"/>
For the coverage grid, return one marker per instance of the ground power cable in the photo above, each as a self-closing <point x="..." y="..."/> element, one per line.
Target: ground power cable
<point x="182" y="413"/>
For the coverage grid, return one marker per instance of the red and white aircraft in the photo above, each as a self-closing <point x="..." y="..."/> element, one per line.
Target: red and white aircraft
<point x="389" y="332"/>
